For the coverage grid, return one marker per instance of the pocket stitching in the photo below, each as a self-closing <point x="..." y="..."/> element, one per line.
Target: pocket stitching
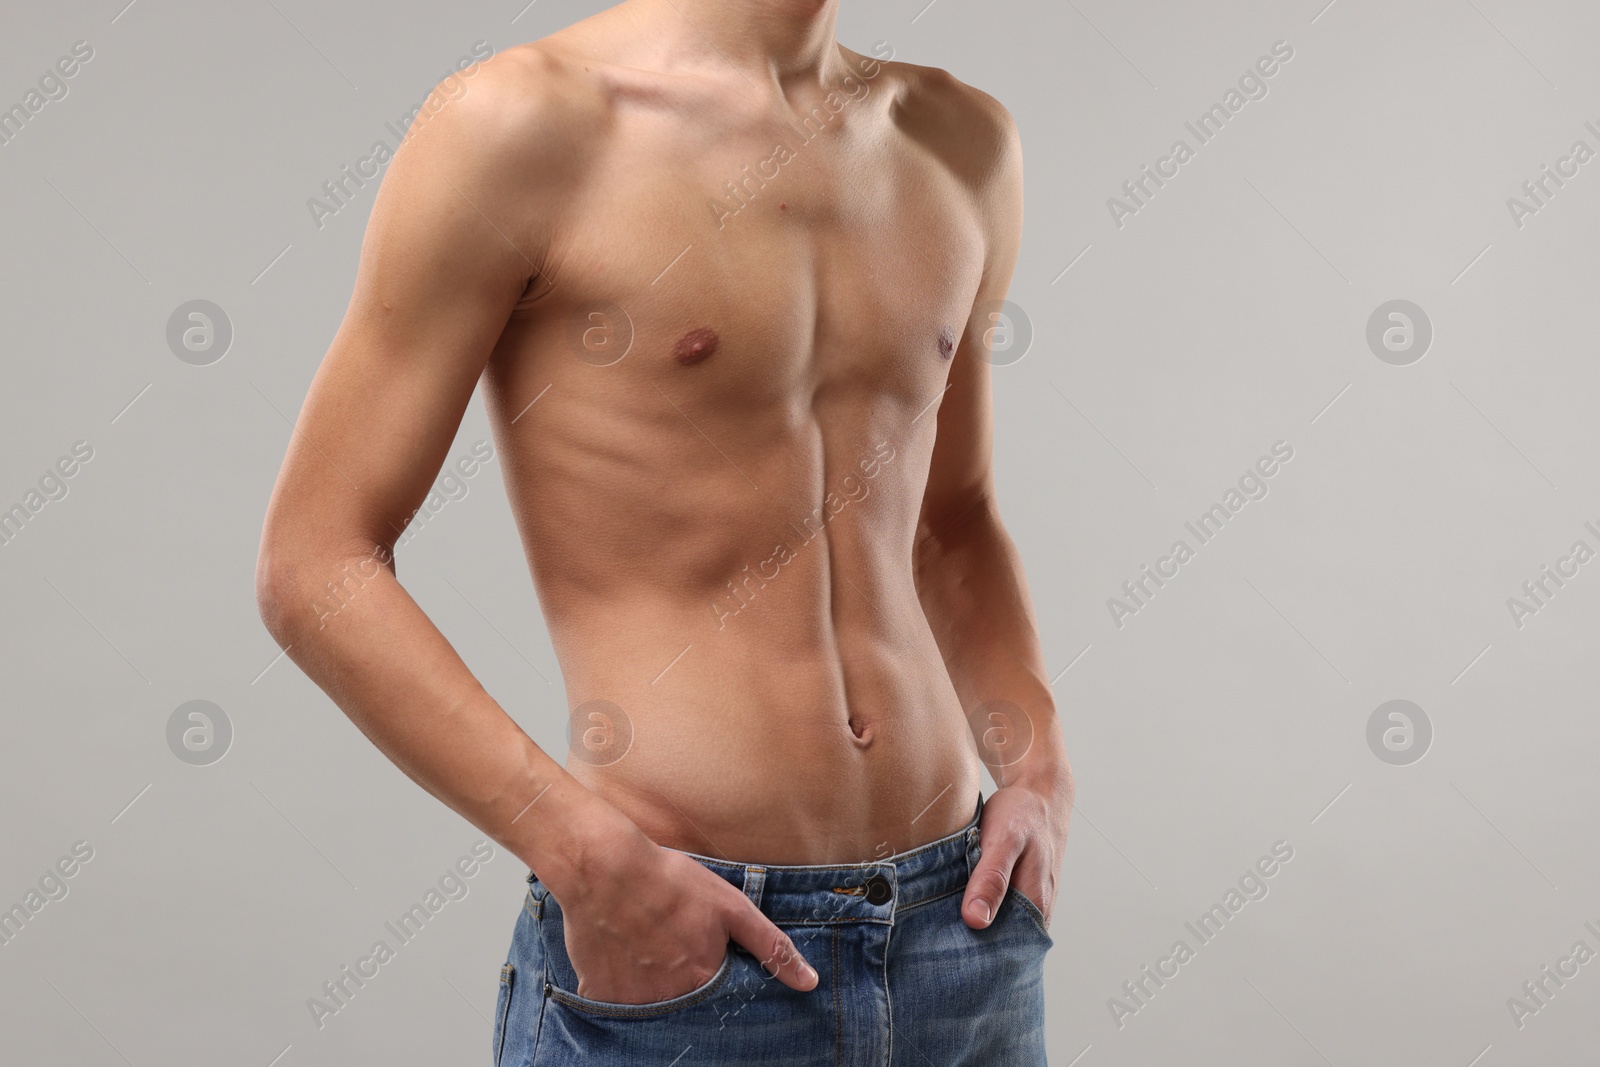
<point x="507" y="980"/>
<point x="1034" y="914"/>
<point x="648" y="1011"/>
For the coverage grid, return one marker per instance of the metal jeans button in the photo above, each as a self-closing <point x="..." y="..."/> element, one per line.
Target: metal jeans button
<point x="879" y="890"/>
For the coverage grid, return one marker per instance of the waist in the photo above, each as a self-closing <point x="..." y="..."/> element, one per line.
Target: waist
<point x="773" y="784"/>
<point x="869" y="892"/>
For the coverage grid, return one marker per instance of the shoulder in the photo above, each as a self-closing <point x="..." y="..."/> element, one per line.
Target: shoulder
<point x="528" y="110"/>
<point x="969" y="131"/>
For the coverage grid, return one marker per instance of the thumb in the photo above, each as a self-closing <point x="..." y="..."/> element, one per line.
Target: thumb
<point x="990" y="878"/>
<point x="773" y="947"/>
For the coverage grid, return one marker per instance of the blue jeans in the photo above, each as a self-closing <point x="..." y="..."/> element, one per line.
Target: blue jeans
<point x="904" y="982"/>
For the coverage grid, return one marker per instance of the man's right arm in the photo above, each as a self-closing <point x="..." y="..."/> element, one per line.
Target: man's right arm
<point x="452" y="243"/>
<point x="435" y="285"/>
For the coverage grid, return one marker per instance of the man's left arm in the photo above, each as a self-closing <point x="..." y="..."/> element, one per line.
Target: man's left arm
<point x="970" y="582"/>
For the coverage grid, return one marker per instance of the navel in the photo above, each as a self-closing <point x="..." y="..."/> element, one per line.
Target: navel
<point x="947" y="342"/>
<point x="696" y="346"/>
<point x="861" y="732"/>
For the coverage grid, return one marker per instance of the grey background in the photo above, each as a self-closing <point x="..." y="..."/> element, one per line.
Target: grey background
<point x="1229" y="714"/>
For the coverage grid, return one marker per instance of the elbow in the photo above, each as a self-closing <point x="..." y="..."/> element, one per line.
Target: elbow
<point x="955" y="542"/>
<point x="952" y="520"/>
<point x="277" y="582"/>
<point x="289" y="570"/>
<point x="300" y="582"/>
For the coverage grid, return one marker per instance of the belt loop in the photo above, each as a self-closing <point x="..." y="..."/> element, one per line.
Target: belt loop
<point x="974" y="851"/>
<point x="755" y="879"/>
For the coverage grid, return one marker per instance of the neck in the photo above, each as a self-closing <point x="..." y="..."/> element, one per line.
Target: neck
<point x="783" y="39"/>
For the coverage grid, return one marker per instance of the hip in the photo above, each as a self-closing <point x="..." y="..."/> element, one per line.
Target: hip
<point x="899" y="973"/>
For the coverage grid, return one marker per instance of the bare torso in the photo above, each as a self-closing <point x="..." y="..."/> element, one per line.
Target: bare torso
<point x="716" y="409"/>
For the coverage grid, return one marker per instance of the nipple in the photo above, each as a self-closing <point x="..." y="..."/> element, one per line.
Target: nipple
<point x="696" y="346"/>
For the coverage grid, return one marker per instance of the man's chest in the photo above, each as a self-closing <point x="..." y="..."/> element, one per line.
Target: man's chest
<point x="792" y="261"/>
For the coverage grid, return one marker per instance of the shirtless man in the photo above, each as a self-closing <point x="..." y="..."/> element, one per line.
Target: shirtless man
<point x="729" y="285"/>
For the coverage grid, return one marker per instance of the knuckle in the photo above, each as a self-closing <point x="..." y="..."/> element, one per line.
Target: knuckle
<point x="1005" y="842"/>
<point x="782" y="950"/>
<point x="993" y="878"/>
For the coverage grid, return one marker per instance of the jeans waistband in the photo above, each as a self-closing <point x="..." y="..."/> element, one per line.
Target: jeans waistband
<point x="856" y="892"/>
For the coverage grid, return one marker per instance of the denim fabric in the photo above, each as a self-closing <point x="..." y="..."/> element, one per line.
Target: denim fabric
<point x="904" y="982"/>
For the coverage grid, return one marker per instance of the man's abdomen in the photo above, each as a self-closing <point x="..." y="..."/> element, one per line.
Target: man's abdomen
<point x="789" y="736"/>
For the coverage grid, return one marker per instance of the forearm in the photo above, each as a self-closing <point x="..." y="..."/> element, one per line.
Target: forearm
<point x="347" y="622"/>
<point x="970" y="581"/>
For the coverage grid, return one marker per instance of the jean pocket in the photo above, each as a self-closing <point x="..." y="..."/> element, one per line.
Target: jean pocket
<point x="655" y="1009"/>
<point x="561" y="978"/>
<point x="502" y="1008"/>
<point x="1028" y="912"/>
